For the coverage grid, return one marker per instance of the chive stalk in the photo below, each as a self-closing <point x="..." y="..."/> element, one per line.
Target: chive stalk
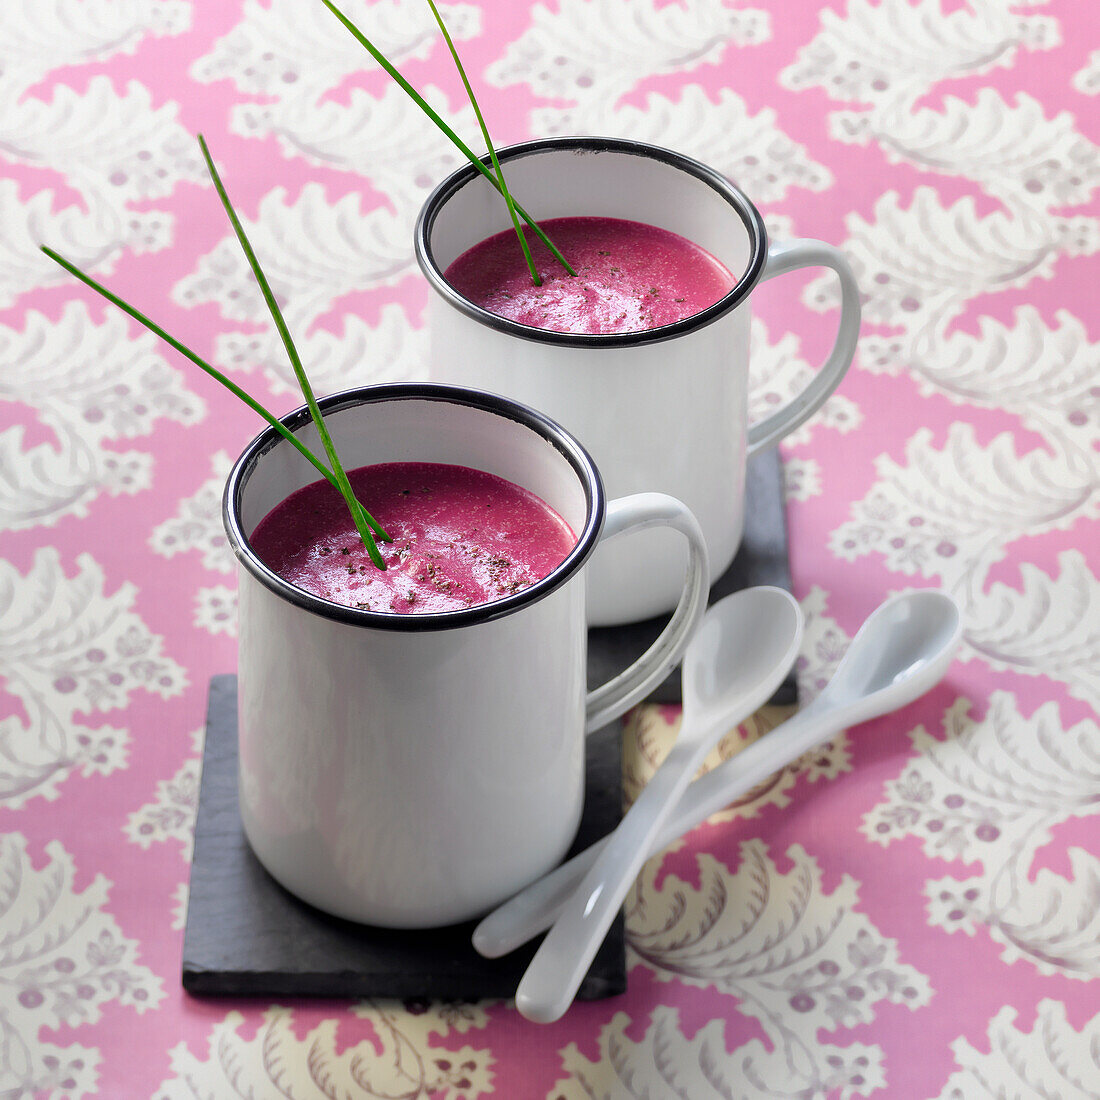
<point x="199" y="362"/>
<point x="428" y="110"/>
<point x="536" y="278"/>
<point x="364" y="523"/>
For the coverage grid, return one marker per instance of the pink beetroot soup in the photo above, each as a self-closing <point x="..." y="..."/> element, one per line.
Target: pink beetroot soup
<point x="460" y="537"/>
<point x="630" y="277"/>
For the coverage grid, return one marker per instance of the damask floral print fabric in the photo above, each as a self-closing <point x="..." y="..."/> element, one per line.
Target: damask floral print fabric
<point x="910" y="911"/>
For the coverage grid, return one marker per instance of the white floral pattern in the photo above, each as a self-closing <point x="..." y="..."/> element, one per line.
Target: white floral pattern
<point x="359" y="355"/>
<point x="172" y="815"/>
<point x="918" y="265"/>
<point x="62" y="961"/>
<point x="599" y="49"/>
<point x="68" y="649"/>
<point x="399" y="1062"/>
<point x="216" y="610"/>
<point x="750" y="149"/>
<point x="950" y="515"/>
<point x="197" y="523"/>
<point x="990" y="795"/>
<point x="665" y="1063"/>
<point x="882" y="52"/>
<point x="800" y="960"/>
<point x="98" y="140"/>
<point x="1053" y="1059"/>
<point x="1087" y="80"/>
<point x="91" y="386"/>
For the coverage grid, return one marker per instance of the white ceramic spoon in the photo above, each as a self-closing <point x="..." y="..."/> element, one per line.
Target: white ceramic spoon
<point x="741" y="651"/>
<point x="901" y="651"/>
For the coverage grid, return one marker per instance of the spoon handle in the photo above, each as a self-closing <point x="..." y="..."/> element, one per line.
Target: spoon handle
<point x="555" y="973"/>
<point x="536" y="907"/>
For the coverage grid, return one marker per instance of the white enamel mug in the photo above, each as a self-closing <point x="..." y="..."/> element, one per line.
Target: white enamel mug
<point x="414" y="770"/>
<point x="664" y="409"/>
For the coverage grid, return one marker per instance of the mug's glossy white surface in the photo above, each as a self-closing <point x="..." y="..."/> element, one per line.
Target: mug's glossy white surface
<point x="412" y="771"/>
<point x="661" y="410"/>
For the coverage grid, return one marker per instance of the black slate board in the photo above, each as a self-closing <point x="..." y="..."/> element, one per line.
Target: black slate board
<point x="761" y="559"/>
<point x="247" y="936"/>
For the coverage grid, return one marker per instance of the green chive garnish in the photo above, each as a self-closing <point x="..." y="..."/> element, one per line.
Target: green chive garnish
<point x="365" y="524"/>
<point x="214" y="373"/>
<point x="459" y="144"/>
<point x="535" y="277"/>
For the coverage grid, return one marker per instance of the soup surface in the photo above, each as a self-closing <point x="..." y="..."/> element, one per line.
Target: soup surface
<point x="630" y="277"/>
<point x="460" y="537"/>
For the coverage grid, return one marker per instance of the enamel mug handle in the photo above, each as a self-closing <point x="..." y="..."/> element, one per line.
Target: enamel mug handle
<point x="792" y="256"/>
<point x="639" y="513"/>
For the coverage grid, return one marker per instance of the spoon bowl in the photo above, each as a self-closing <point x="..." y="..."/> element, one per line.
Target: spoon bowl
<point x="902" y="649"/>
<point x="741" y="651"/>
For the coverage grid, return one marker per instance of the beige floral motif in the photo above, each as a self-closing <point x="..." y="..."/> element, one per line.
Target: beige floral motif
<point x="1087" y="81"/>
<point x="115" y="148"/>
<point x="893" y="49"/>
<point x="89" y="240"/>
<point x="180" y="897"/>
<point x="41" y="37"/>
<point x="91" y="384"/>
<point x="748" y="148"/>
<point x="799" y="960"/>
<point x="62" y="960"/>
<point x="1011" y="151"/>
<point x="359" y="354"/>
<point x="918" y="266"/>
<point x="1046" y="375"/>
<point x="197" y="524"/>
<point x="68" y="648"/>
<point x="402" y="1060"/>
<point x="386" y="140"/>
<point x="215" y="610"/>
<point x="599" y="49"/>
<point x="285" y="49"/>
<point x="1051" y="1060"/>
<point x="1049" y="628"/>
<point x="171" y="816"/>
<point x="101" y="140"/>
<point x="780" y="227"/>
<point x="312" y="250"/>
<point x="801" y="479"/>
<point x="949" y="513"/>
<point x="990" y="794"/>
<point x="663" y="1063"/>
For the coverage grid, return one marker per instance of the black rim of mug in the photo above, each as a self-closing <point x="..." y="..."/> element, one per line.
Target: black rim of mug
<point x="565" y="444"/>
<point x="737" y="199"/>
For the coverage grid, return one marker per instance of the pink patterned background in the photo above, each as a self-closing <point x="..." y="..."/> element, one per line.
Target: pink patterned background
<point x="912" y="912"/>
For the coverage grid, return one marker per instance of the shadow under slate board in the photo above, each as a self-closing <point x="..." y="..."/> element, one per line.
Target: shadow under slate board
<point x="248" y="937"/>
<point x="761" y="559"/>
